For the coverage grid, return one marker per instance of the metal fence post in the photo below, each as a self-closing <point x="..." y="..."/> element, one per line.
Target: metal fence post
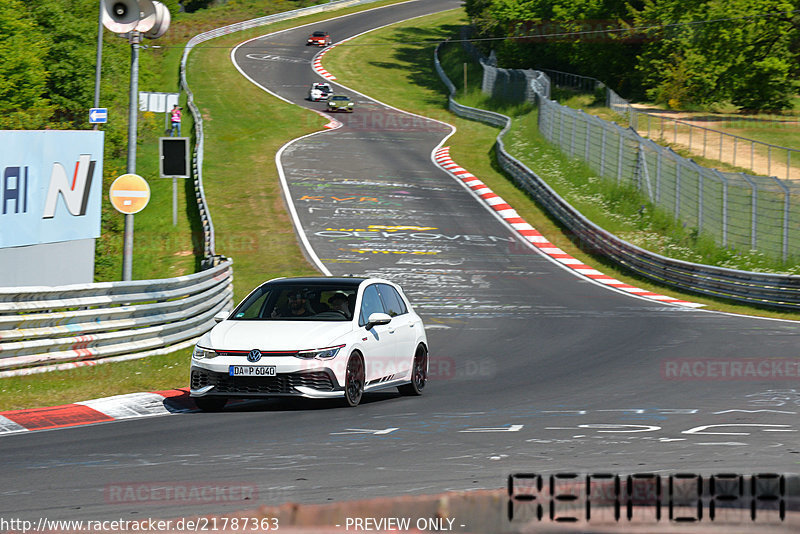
<point x="785" y="252"/>
<point x="572" y="134"/>
<point x="658" y="178"/>
<point x="725" y="214"/>
<point x="677" y="191"/>
<point x="700" y="184"/>
<point x="588" y="131"/>
<point x="603" y="151"/>
<point x="753" y="212"/>
<point x="769" y="160"/>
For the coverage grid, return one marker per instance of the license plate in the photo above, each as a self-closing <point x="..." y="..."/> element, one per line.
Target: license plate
<point x="251" y="370"/>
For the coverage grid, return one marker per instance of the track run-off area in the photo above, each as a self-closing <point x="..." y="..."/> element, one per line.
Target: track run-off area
<point x="534" y="366"/>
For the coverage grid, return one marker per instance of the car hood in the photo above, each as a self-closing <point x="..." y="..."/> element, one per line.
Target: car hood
<point x="275" y="335"/>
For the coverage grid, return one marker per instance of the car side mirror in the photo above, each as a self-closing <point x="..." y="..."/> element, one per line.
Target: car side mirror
<point x="378" y="318"/>
<point x="221" y="316"/>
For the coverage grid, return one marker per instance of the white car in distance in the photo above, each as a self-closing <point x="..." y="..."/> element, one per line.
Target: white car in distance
<point x="319" y="91"/>
<point x="315" y="337"/>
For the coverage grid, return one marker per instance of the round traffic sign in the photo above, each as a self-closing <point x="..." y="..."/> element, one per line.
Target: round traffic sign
<point x="129" y="193"/>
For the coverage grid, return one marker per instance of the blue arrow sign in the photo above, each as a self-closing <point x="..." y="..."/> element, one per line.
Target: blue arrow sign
<point x="98" y="115"/>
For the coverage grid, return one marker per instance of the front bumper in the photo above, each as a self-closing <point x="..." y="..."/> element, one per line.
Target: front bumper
<point x="318" y="383"/>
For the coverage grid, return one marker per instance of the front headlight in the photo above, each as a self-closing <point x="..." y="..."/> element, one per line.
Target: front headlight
<point x="202" y="354"/>
<point x="320" y="354"/>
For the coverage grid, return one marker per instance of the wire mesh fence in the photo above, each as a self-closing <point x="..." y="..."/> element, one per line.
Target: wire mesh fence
<point x="739" y="211"/>
<point x="759" y="157"/>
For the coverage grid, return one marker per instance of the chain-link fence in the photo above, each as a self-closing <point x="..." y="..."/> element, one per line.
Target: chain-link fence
<point x="759" y="157"/>
<point x="739" y="211"/>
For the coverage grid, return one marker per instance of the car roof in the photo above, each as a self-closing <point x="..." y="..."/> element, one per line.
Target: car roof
<point x="344" y="281"/>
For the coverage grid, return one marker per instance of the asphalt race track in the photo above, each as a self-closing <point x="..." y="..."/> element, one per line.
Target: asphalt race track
<point x="533" y="369"/>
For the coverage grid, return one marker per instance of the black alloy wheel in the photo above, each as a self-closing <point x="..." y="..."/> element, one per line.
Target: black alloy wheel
<point x="354" y="380"/>
<point x="419" y="374"/>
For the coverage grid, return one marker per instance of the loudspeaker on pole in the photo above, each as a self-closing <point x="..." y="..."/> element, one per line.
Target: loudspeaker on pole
<point x="162" y="20"/>
<point x="120" y="16"/>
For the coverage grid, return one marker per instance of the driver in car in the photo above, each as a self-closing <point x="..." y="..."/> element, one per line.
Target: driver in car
<point x="297" y="306"/>
<point x="338" y="302"/>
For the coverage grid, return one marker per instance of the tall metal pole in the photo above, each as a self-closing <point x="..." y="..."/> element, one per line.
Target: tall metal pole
<point x="99" y="62"/>
<point x="133" y="116"/>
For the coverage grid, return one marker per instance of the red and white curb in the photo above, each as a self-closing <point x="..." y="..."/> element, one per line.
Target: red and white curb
<point x="319" y="69"/>
<point x="316" y="63"/>
<point x="332" y="123"/>
<point x="530" y="234"/>
<point x="130" y="406"/>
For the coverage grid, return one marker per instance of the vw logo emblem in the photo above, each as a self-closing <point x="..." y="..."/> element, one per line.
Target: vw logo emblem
<point x="254" y="355"/>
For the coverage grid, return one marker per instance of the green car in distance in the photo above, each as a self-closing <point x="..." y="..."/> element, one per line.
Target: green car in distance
<point x="340" y="103"/>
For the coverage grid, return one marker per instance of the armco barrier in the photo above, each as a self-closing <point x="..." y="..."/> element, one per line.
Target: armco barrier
<point x="48" y="328"/>
<point x="769" y="290"/>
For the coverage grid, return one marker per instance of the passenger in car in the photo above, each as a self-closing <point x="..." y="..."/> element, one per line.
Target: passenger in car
<point x="338" y="302"/>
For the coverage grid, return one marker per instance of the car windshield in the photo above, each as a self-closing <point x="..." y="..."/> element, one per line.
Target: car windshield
<point x="340" y="98"/>
<point x="319" y="34"/>
<point x="298" y="302"/>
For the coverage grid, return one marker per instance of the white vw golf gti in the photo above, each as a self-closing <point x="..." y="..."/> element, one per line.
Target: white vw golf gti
<point x="312" y="337"/>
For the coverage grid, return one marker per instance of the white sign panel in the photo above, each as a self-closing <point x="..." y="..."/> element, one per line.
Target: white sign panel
<point x="157" y="102"/>
<point x="50" y="186"/>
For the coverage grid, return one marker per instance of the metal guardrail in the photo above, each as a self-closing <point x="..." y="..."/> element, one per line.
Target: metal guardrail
<point x="49" y="328"/>
<point x="209" y="245"/>
<point x="769" y="290"/>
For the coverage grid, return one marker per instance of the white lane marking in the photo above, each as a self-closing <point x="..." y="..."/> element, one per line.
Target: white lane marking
<point x="701" y="429"/>
<point x="510" y="428"/>
<point x="365" y="431"/>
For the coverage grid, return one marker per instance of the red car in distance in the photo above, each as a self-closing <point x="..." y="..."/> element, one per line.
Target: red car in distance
<point x="319" y="39"/>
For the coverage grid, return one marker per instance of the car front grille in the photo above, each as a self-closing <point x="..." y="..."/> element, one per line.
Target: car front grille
<point x="261" y="385"/>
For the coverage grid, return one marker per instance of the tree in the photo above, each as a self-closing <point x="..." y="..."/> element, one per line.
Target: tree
<point x="23" y="73"/>
<point x="738" y="51"/>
